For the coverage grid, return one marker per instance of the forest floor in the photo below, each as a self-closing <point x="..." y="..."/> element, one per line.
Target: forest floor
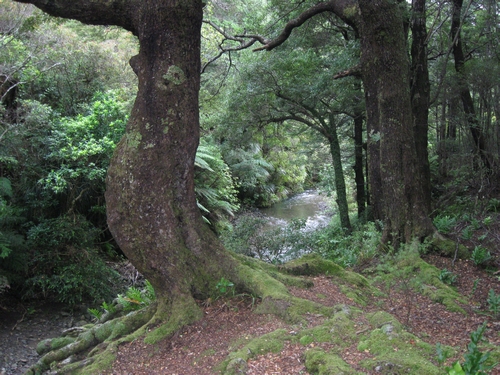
<point x="229" y="324"/>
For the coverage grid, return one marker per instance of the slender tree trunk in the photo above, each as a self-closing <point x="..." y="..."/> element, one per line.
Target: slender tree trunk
<point x="359" y="176"/>
<point x="420" y="95"/>
<point x="387" y="92"/>
<point x="468" y="103"/>
<point x="339" y="176"/>
<point x="151" y="203"/>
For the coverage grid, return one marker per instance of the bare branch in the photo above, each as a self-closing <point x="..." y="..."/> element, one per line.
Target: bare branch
<point x="344" y="9"/>
<point x="355" y="71"/>
<point x="243" y="43"/>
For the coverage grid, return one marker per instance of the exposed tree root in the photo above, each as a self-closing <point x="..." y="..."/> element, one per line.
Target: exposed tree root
<point x="92" y="348"/>
<point x="63" y="355"/>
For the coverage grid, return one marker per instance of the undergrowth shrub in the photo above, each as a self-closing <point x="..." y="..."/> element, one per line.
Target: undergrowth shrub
<point x="480" y="255"/>
<point x="348" y="251"/>
<point x="252" y="236"/>
<point x="444" y="223"/>
<point x="447" y="277"/>
<point x="476" y="362"/>
<point x="65" y="264"/>
<point x="13" y="256"/>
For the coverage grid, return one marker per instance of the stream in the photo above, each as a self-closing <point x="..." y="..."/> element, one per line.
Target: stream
<point x="309" y="205"/>
<point x="280" y="239"/>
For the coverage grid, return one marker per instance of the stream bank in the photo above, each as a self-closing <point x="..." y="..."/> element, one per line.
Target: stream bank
<point x="23" y="326"/>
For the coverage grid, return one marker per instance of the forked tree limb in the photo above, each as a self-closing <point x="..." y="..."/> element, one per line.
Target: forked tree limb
<point x="347" y="10"/>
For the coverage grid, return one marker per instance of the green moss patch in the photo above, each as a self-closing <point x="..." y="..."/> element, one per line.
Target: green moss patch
<point x="395" y="351"/>
<point x="319" y="362"/>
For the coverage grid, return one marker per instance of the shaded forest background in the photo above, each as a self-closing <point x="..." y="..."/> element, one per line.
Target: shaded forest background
<point x="270" y="126"/>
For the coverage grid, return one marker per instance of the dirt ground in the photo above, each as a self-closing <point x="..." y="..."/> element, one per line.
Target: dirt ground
<point x="23" y="326"/>
<point x="198" y="348"/>
<point x="201" y="346"/>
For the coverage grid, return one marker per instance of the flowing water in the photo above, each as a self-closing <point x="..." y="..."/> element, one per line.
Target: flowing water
<point x="309" y="205"/>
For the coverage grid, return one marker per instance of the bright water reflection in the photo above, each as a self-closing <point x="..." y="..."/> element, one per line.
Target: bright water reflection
<point x="309" y="205"/>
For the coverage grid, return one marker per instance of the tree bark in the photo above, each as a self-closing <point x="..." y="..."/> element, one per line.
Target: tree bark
<point x="150" y="197"/>
<point x="468" y="103"/>
<point x="387" y="93"/>
<point x="420" y="94"/>
<point x="359" y="176"/>
<point x="340" y="187"/>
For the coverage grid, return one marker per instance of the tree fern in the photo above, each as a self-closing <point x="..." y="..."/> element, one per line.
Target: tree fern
<point x="214" y="185"/>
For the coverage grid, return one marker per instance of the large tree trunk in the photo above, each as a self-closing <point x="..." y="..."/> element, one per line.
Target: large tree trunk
<point x="151" y="203"/>
<point x="387" y="91"/>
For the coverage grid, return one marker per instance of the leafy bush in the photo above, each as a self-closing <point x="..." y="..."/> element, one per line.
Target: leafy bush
<point x="80" y="148"/>
<point x="12" y="244"/>
<point x="480" y="255"/>
<point x="474" y="360"/>
<point x="65" y="265"/>
<point x="467" y="233"/>
<point x="215" y="189"/>
<point x="253" y="173"/>
<point x="447" y="277"/>
<point x="444" y="224"/>
<point x="135" y="298"/>
<point x="494" y="303"/>
<point x="348" y="251"/>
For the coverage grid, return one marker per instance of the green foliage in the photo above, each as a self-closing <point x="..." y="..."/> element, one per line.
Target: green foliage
<point x="347" y="251"/>
<point x="135" y="298"/>
<point x="494" y="303"/>
<point x="78" y="69"/>
<point x="445" y="223"/>
<point x="441" y="354"/>
<point x="493" y="205"/>
<point x="447" y="277"/>
<point x="253" y="174"/>
<point x="12" y="243"/>
<point x="224" y="286"/>
<point x="65" y="264"/>
<point x="96" y="313"/>
<point x="480" y="255"/>
<point x="467" y="232"/>
<point x="474" y="360"/>
<point x="80" y="148"/>
<point x="214" y="186"/>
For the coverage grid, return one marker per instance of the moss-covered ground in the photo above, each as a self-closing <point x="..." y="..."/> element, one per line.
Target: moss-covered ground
<point x="312" y="317"/>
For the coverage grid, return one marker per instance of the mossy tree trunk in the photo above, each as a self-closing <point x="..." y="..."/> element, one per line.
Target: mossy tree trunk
<point x="340" y="188"/>
<point x="150" y="197"/>
<point x="385" y="68"/>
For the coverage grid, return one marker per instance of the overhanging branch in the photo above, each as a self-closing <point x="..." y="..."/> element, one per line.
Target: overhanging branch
<point x="344" y="9"/>
<point x="355" y="71"/>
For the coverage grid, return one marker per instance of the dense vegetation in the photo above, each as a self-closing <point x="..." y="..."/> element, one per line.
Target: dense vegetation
<point x="272" y="125"/>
